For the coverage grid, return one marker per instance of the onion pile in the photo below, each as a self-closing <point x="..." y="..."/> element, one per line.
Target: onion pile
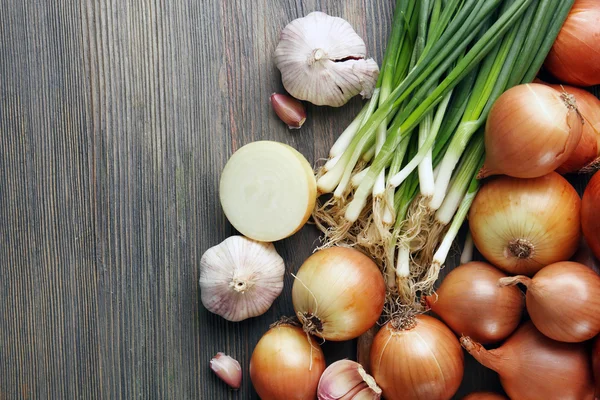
<point x="286" y="364"/>
<point x="590" y="214"/>
<point x="575" y="55"/>
<point x="471" y="303"/>
<point x="533" y="367"/>
<point x="563" y="300"/>
<point x="417" y="359"/>
<point x="522" y="225"/>
<point x="531" y="130"/>
<point x="338" y="293"/>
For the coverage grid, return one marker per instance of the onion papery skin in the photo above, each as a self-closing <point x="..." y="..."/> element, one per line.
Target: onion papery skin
<point x="422" y="362"/>
<point x="575" y="55"/>
<point x="522" y="225"/>
<point x="485" y="396"/>
<point x="590" y="214"/>
<point x="471" y="303"/>
<point x="534" y="367"/>
<point x="563" y="300"/>
<point x="596" y="364"/>
<point x="530" y="131"/>
<point x="587" y="150"/>
<point x="338" y="293"/>
<point x="286" y="365"/>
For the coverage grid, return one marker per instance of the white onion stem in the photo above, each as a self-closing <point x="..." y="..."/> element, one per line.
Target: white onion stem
<point x="403" y="265"/>
<point x="358" y="177"/>
<point x="460" y="139"/>
<point x="467" y="253"/>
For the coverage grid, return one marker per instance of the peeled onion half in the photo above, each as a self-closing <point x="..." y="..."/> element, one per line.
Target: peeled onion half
<point x="267" y="190"/>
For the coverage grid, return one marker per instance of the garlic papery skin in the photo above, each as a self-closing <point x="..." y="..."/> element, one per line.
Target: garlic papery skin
<point x="240" y="278"/>
<point x="322" y="60"/>
<point x="228" y="369"/>
<point x="347" y="380"/>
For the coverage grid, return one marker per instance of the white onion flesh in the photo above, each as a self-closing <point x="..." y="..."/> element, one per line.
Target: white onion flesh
<point x="267" y="190"/>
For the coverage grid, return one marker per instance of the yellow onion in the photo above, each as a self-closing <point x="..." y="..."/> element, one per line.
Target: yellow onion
<point x="471" y="303"/>
<point x="534" y="367"/>
<point x="530" y="131"/>
<point x="417" y="359"/>
<point x="522" y="225"/>
<point x="575" y="55"/>
<point x="563" y="300"/>
<point x="590" y="214"/>
<point x="587" y="151"/>
<point x="286" y="364"/>
<point x="338" y="293"/>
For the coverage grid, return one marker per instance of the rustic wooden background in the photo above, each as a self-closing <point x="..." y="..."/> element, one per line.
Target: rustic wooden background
<point x="116" y="118"/>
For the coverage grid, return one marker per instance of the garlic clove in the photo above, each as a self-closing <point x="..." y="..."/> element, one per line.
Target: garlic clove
<point x="289" y="110"/>
<point x="322" y="60"/>
<point x="240" y="278"/>
<point x="347" y="380"/>
<point x="228" y="369"/>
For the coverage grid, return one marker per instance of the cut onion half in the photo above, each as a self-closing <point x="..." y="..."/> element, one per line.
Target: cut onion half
<point x="267" y="190"/>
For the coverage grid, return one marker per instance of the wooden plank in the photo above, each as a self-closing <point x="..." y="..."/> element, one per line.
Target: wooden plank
<point x="48" y="338"/>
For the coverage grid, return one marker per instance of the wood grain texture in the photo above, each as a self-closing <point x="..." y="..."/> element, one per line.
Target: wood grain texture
<point x="116" y="119"/>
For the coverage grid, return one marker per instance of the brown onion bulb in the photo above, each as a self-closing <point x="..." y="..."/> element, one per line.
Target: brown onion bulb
<point x="575" y="55"/>
<point x="485" y="396"/>
<point x="587" y="150"/>
<point x="338" y="293"/>
<point x="534" y="367"/>
<point x="417" y="359"/>
<point x="563" y="301"/>
<point x="590" y="214"/>
<point x="530" y="131"/>
<point x="472" y="304"/>
<point x="596" y="364"/>
<point x="286" y="364"/>
<point x="522" y="225"/>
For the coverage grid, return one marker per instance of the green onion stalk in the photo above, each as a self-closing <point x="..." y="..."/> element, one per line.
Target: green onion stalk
<point x="403" y="175"/>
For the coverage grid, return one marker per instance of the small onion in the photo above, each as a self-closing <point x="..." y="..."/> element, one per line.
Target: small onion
<point x="590" y="214"/>
<point x="575" y="55"/>
<point x="563" y="301"/>
<point x="485" y="396"/>
<point x="338" y="293"/>
<point x="596" y="364"/>
<point x="471" y="303"/>
<point x="522" y="225"/>
<point x="417" y="359"/>
<point x="530" y="131"/>
<point x="286" y="364"/>
<point x="534" y="367"/>
<point x="587" y="151"/>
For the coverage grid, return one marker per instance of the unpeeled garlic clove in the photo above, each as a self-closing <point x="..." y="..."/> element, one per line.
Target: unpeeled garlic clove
<point x="347" y="380"/>
<point x="228" y="369"/>
<point x="289" y="110"/>
<point x="240" y="278"/>
<point x="322" y="60"/>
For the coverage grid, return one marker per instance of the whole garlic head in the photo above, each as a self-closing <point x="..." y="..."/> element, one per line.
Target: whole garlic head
<point x="240" y="278"/>
<point x="322" y="60"/>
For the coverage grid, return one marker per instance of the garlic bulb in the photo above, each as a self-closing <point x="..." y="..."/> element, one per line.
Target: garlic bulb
<point x="322" y="60"/>
<point x="240" y="278"/>
<point x="347" y="380"/>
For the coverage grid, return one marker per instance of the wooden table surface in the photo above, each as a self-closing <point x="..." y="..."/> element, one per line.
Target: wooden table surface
<point x="116" y="119"/>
